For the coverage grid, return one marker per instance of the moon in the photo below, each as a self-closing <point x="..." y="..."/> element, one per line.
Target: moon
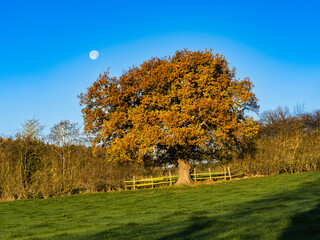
<point x="94" y="54"/>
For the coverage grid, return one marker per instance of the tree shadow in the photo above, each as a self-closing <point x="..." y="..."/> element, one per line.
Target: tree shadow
<point x="254" y="219"/>
<point x="199" y="223"/>
<point x="304" y="226"/>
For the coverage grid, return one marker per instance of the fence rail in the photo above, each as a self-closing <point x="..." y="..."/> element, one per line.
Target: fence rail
<point x="169" y="180"/>
<point x="135" y="183"/>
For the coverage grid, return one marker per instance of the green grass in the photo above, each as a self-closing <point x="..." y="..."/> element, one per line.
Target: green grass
<point x="275" y="207"/>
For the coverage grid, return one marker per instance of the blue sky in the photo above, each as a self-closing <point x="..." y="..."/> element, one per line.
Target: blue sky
<point x="45" y="45"/>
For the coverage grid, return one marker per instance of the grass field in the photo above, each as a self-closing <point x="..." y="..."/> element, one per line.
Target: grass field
<point x="275" y="207"/>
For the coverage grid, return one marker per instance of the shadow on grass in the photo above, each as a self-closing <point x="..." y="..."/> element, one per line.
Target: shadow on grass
<point x="304" y="226"/>
<point x="199" y="223"/>
<point x="256" y="219"/>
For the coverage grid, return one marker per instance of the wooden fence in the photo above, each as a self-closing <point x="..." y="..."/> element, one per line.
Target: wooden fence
<point x="200" y="176"/>
<point x="135" y="183"/>
<point x="169" y="180"/>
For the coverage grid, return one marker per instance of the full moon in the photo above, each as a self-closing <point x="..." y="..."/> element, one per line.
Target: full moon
<point x="94" y="54"/>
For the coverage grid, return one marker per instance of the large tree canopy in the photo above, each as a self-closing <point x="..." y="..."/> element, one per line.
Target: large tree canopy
<point x="175" y="109"/>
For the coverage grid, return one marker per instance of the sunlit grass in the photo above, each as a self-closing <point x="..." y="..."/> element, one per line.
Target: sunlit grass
<point x="276" y="207"/>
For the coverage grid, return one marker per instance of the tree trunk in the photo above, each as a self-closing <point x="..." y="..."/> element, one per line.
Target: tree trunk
<point x="184" y="172"/>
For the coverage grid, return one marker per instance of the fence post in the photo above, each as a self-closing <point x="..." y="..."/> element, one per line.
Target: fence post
<point x="134" y="183"/>
<point x="170" y="178"/>
<point x="209" y="174"/>
<point x="225" y="173"/>
<point x="152" y="182"/>
<point x="229" y="173"/>
<point x="195" y="174"/>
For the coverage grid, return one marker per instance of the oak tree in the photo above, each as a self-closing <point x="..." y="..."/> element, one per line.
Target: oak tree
<point x="175" y="109"/>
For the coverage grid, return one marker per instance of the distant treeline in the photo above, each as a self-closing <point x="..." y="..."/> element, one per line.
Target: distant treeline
<point x="33" y="166"/>
<point x="63" y="163"/>
<point x="287" y="143"/>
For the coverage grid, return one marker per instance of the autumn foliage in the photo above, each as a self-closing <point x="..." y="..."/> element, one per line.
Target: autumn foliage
<point x="183" y="108"/>
<point x="178" y="110"/>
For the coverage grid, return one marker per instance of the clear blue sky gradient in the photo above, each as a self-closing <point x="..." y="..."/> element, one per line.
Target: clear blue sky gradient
<point x="45" y="45"/>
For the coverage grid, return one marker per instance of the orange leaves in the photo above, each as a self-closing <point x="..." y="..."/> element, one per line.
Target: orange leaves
<point x="189" y="101"/>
